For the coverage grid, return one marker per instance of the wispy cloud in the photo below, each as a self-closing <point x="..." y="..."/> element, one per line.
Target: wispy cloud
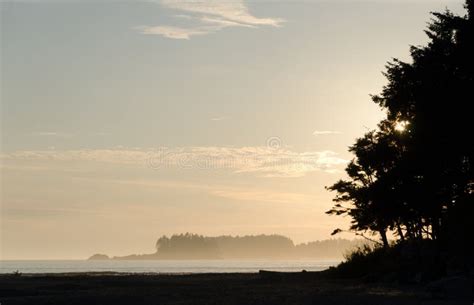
<point x="219" y="118"/>
<point x="171" y="31"/>
<point x="222" y="191"/>
<point x="325" y="132"/>
<point x="207" y="16"/>
<point x="260" y="160"/>
<point x="51" y="134"/>
<point x="260" y="195"/>
<point x="60" y="134"/>
<point x="264" y="161"/>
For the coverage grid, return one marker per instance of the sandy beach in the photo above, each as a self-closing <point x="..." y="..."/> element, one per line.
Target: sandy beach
<point x="242" y="289"/>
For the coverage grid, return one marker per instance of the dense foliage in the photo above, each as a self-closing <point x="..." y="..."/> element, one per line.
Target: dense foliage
<point x="413" y="177"/>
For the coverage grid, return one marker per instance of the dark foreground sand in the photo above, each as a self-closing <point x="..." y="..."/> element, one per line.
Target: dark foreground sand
<point x="242" y="289"/>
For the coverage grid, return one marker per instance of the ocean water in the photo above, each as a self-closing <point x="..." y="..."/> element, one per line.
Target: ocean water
<point x="162" y="266"/>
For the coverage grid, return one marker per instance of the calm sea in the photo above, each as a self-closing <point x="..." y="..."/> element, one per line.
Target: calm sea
<point x="163" y="266"/>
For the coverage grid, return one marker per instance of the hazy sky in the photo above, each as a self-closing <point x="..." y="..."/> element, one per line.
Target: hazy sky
<point x="124" y="121"/>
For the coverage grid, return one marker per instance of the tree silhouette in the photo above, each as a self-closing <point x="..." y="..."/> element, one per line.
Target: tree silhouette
<point x="414" y="174"/>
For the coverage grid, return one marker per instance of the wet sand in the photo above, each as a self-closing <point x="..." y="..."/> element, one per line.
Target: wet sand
<point x="230" y="288"/>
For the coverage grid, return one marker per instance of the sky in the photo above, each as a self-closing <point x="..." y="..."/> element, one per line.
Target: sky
<point x="122" y="121"/>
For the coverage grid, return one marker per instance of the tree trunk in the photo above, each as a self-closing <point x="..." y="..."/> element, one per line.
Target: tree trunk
<point x="383" y="234"/>
<point x="400" y="232"/>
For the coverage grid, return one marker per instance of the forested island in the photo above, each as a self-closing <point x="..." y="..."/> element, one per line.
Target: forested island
<point x="194" y="246"/>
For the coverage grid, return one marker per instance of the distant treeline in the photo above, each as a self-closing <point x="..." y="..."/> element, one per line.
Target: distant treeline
<point x="194" y="246"/>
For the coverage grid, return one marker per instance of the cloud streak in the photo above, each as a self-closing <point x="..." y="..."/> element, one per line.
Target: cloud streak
<point x="172" y="32"/>
<point x="219" y="118"/>
<point x="325" y="132"/>
<point x="259" y="160"/>
<point x="51" y="134"/>
<point x="207" y="16"/>
<point x="260" y="195"/>
<point x="233" y="193"/>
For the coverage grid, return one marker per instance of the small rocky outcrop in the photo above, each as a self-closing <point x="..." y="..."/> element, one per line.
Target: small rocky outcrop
<point x="99" y="257"/>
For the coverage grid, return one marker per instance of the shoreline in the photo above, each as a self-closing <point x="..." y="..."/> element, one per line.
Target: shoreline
<point x="168" y="266"/>
<point x="264" y="287"/>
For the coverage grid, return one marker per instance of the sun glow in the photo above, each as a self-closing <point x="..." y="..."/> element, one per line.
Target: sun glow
<point x="401" y="126"/>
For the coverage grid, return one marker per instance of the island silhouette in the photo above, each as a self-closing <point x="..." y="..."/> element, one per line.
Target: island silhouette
<point x="195" y="246"/>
